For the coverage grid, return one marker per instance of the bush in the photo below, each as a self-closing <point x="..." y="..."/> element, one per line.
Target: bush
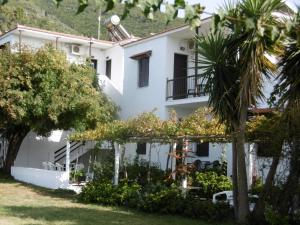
<point x="153" y="198"/>
<point x="211" y="183"/>
<point x="138" y="171"/>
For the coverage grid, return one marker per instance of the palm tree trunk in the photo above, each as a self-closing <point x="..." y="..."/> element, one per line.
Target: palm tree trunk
<point x="243" y="202"/>
<point x="234" y="178"/>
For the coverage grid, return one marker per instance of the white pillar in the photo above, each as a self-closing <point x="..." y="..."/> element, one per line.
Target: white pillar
<point x="117" y="163"/>
<point x="68" y="159"/>
<point x="173" y="160"/>
<point x="184" y="154"/>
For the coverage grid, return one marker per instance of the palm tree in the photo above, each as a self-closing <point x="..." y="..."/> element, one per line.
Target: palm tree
<point x="253" y="35"/>
<point x="288" y="90"/>
<point x="219" y="70"/>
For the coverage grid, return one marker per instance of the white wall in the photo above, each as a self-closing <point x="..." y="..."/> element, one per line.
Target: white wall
<point x="36" y="149"/>
<point x="43" y="178"/>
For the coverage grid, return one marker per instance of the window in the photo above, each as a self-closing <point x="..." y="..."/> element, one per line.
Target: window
<point x="264" y="149"/>
<point x="143" y="72"/>
<point x="94" y="63"/>
<point x="108" y="68"/>
<point x="141" y="148"/>
<point x="202" y="149"/>
<point x="143" y="67"/>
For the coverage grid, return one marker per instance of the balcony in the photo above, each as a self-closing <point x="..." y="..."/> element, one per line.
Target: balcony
<point x="185" y="88"/>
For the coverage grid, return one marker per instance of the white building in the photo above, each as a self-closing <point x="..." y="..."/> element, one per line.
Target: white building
<point x="140" y="75"/>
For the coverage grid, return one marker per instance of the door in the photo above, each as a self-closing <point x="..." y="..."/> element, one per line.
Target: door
<point x="180" y="76"/>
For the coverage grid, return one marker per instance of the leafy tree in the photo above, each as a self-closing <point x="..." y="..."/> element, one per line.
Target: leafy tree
<point x="253" y="30"/>
<point x="41" y="91"/>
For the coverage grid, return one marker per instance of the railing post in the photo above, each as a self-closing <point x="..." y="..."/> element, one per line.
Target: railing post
<point x="167" y="91"/>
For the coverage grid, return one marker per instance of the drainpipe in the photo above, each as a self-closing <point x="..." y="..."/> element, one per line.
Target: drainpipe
<point x="196" y="61"/>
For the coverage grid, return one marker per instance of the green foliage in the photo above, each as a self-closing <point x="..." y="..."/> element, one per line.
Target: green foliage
<point x="104" y="167"/>
<point x="77" y="176"/>
<point x="274" y="218"/>
<point x="154" y="198"/>
<point x="148" y="126"/>
<point x="257" y="187"/>
<point x="43" y="91"/>
<point x="138" y="171"/>
<point x="44" y="14"/>
<point x="211" y="183"/>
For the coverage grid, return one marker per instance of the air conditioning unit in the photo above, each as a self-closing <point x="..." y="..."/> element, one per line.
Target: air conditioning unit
<point x="191" y="45"/>
<point x="75" y="49"/>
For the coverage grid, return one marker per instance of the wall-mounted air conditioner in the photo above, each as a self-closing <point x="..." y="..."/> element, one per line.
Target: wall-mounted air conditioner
<point x="75" y="49"/>
<point x="191" y="45"/>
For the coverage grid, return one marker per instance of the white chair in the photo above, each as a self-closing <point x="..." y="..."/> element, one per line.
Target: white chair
<point x="51" y="166"/>
<point x="79" y="166"/>
<point x="59" y="167"/>
<point x="45" y="165"/>
<point x="224" y="196"/>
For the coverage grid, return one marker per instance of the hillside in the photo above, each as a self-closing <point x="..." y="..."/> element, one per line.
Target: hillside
<point x="44" y="14"/>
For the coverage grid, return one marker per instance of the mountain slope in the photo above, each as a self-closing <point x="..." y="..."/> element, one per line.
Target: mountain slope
<point x="44" y="14"/>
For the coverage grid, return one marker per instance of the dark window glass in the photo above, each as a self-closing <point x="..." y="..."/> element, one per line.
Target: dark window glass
<point x="94" y="63"/>
<point x="264" y="149"/>
<point x="143" y="72"/>
<point x="108" y="68"/>
<point x="141" y="148"/>
<point x="202" y="149"/>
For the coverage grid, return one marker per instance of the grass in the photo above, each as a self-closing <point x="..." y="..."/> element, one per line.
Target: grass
<point x="29" y="205"/>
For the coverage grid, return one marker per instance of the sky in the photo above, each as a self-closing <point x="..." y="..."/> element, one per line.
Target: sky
<point x="212" y="6"/>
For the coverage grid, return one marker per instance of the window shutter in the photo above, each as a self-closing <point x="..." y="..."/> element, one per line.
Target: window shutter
<point x="202" y="149"/>
<point x="108" y="68"/>
<point x="143" y="72"/>
<point x="141" y="148"/>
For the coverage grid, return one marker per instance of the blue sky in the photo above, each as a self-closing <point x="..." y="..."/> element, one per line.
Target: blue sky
<point x="213" y="5"/>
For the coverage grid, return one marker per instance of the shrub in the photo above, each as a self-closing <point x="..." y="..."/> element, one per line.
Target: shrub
<point x="166" y="200"/>
<point x="99" y="192"/>
<point x="211" y="183"/>
<point x="154" y="198"/>
<point x="138" y="171"/>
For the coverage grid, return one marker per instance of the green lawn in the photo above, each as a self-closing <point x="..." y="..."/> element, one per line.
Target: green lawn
<point x="26" y="204"/>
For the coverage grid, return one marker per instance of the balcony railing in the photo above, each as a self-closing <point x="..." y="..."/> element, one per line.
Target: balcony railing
<point x="185" y="87"/>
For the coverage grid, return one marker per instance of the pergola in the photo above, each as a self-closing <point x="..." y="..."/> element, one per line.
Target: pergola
<point x="147" y="127"/>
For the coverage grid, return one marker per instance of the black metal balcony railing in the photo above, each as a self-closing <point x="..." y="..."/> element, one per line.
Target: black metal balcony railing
<point x="185" y="87"/>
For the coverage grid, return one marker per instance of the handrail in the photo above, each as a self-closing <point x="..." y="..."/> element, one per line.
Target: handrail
<point x="57" y="155"/>
<point x="185" y="87"/>
<point x="61" y="148"/>
<point x="82" y="144"/>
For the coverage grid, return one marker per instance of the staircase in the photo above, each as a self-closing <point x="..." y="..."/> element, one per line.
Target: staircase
<point x="77" y="149"/>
